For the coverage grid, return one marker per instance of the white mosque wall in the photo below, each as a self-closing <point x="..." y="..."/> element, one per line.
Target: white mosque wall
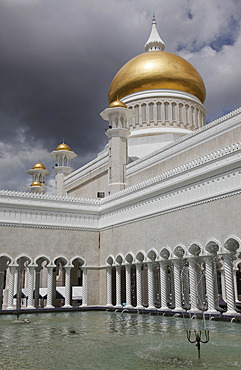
<point x="210" y="138"/>
<point x="89" y="179"/>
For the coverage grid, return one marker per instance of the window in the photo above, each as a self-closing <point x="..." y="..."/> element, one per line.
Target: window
<point x="158" y="111"/>
<point x="137" y="113"/>
<point x="166" y="111"/>
<point x="100" y="194"/>
<point x="151" y="111"/>
<point x="143" y="112"/>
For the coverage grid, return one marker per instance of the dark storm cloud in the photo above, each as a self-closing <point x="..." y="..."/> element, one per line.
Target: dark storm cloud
<point x="58" y="57"/>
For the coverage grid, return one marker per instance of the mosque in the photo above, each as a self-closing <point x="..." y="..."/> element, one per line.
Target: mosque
<point x="153" y="222"/>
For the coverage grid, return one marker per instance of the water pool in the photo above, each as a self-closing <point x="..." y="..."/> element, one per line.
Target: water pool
<point x="109" y="340"/>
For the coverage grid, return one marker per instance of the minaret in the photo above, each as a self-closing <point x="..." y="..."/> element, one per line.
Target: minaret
<point x="62" y="155"/>
<point x="118" y="115"/>
<point x="38" y="173"/>
<point x="154" y="43"/>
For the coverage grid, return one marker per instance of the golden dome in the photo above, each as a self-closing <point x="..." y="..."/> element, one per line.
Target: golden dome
<point x="36" y="183"/>
<point x="117" y="104"/>
<point x="157" y="70"/>
<point x="39" y="166"/>
<point x="63" y="147"/>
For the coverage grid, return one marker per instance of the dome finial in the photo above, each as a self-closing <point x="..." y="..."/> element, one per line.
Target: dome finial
<point x="154" y="43"/>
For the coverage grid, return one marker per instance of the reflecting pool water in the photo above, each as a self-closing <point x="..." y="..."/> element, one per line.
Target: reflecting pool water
<point x="109" y="340"/>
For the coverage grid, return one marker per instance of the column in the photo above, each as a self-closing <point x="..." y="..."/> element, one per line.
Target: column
<point x="12" y="270"/>
<point x="67" y="286"/>
<point x="223" y="284"/>
<point x="163" y="283"/>
<point x="177" y="285"/>
<point x="215" y="281"/>
<point x="1" y="287"/>
<point x="234" y="282"/>
<point x="150" y="282"/>
<point x="138" y="286"/>
<point x="128" y="286"/>
<point x="118" y="286"/>
<point x="84" y="288"/>
<point x="109" y="286"/>
<point x="186" y="287"/>
<point x="200" y="297"/>
<point x="210" y="285"/>
<point x="30" y="286"/>
<point x="50" y="287"/>
<point x="37" y="280"/>
<point x="172" y="290"/>
<point x="193" y="285"/>
<point x="228" y="271"/>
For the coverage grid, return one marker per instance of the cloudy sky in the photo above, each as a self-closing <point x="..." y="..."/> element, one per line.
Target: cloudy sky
<point x="58" y="57"/>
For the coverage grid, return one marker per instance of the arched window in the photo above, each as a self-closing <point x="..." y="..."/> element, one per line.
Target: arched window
<point x="151" y="111"/>
<point x="180" y="112"/>
<point x="143" y="112"/>
<point x="158" y="106"/>
<point x="166" y="111"/>
<point x="137" y="113"/>
<point x="174" y="115"/>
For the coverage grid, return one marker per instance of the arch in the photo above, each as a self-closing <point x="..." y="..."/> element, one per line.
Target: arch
<point x="61" y="259"/>
<point x="129" y="257"/>
<point x="140" y="256"/>
<point x="165" y="253"/>
<point x="152" y="254"/>
<point x="213" y="246"/>
<point x="79" y="259"/>
<point x="232" y="244"/>
<point x="24" y="258"/>
<point x="119" y="259"/>
<point x="179" y="251"/>
<point x="110" y="260"/>
<point x="6" y="257"/>
<point x="40" y="259"/>
<point x="195" y="249"/>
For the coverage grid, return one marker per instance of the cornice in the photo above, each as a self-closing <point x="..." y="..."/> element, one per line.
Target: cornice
<point x="32" y="226"/>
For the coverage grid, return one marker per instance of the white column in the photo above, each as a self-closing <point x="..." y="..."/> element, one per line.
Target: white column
<point x="210" y="285"/>
<point x="186" y="287"/>
<point x="228" y="271"/>
<point x="150" y="282"/>
<point x="84" y="288"/>
<point x="37" y="280"/>
<point x="163" y="283"/>
<point x="50" y="287"/>
<point x="177" y="285"/>
<point x="30" y="286"/>
<point x="200" y="297"/>
<point x="215" y="281"/>
<point x="67" y="286"/>
<point x="138" y="286"/>
<point x="193" y="285"/>
<point x="128" y="286"/>
<point x="12" y="270"/>
<point x="235" y="284"/>
<point x="109" y="286"/>
<point x="118" y="286"/>
<point x="1" y="287"/>
<point x="223" y="284"/>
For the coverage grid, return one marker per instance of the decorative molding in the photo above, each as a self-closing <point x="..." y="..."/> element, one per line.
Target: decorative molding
<point x="186" y="142"/>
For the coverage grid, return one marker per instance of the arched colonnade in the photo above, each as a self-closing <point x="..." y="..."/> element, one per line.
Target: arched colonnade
<point x="41" y="277"/>
<point x="192" y="278"/>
